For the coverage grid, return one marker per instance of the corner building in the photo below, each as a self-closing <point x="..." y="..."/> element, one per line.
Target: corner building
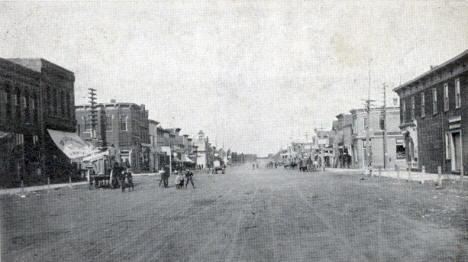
<point x="434" y="117"/>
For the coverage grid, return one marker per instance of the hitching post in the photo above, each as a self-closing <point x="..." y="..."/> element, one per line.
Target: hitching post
<point x="397" y="168"/>
<point x="22" y="188"/>
<point x="409" y="174"/>
<point x="439" y="175"/>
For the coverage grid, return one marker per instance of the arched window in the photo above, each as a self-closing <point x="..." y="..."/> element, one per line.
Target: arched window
<point x="18" y="103"/>
<point x="67" y="105"/>
<point x="8" y="101"/>
<point x="34" y="105"/>
<point x="55" y="101"/>
<point x="25" y="103"/>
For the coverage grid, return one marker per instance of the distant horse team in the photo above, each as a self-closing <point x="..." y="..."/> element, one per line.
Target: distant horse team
<point x="303" y="165"/>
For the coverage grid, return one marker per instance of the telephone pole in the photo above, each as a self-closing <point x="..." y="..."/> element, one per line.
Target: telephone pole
<point x="93" y="113"/>
<point x="384" y="117"/>
<point x="368" y="104"/>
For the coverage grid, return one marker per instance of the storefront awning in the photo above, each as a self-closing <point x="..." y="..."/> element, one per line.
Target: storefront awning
<point x="95" y="156"/>
<point x="187" y="159"/>
<point x="71" y="144"/>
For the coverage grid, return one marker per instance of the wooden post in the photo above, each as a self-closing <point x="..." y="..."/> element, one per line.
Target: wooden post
<point x="439" y="176"/>
<point x="22" y="189"/>
<point x="397" y="168"/>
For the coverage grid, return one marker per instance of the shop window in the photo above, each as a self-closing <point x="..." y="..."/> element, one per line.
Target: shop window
<point x="400" y="151"/>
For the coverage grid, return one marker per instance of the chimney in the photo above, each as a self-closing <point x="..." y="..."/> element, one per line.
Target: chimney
<point x="113" y="101"/>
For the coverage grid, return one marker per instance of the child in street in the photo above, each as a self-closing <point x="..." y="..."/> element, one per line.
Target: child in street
<point x="179" y="180"/>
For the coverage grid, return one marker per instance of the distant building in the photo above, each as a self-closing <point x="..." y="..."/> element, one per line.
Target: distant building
<point x="203" y="149"/>
<point x="84" y="126"/>
<point x="434" y="117"/>
<point x="126" y="129"/>
<point x="155" y="148"/>
<point x="395" y="146"/>
<point x="342" y="141"/>
<point x="36" y="98"/>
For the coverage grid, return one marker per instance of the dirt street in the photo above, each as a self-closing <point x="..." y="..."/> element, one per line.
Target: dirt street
<point x="244" y="215"/>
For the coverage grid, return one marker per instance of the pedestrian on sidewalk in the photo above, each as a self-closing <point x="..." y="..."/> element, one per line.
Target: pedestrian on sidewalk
<point x="189" y="177"/>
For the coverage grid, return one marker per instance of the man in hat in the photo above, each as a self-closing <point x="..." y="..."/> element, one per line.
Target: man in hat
<point x="189" y="177"/>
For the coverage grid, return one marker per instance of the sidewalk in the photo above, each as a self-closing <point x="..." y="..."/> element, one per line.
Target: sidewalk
<point x="18" y="190"/>
<point x="402" y="174"/>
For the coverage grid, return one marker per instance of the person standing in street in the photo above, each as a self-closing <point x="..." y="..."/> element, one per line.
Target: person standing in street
<point x="162" y="177"/>
<point x="117" y="172"/>
<point x="189" y="177"/>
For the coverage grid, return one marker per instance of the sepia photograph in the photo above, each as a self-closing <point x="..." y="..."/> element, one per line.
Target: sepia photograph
<point x="234" y="130"/>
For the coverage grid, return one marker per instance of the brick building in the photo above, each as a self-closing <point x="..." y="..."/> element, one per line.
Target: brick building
<point x="84" y="125"/>
<point x="394" y="143"/>
<point x="126" y="129"/>
<point x="36" y="98"/>
<point x="434" y="117"/>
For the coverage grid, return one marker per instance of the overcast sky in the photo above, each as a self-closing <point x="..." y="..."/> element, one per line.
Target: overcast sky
<point x="252" y="74"/>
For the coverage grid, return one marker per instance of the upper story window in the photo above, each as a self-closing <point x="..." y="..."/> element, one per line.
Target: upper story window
<point x="62" y="103"/>
<point x="446" y="97"/>
<point x="457" y="93"/>
<point x="17" y="98"/>
<point x="123" y="122"/>
<point x="55" y="101"/>
<point x="33" y="103"/>
<point x="364" y="123"/>
<point x="87" y="124"/>
<point x="423" y="105"/>
<point x="109" y="122"/>
<point x="403" y="110"/>
<point x="413" y="108"/>
<point x="434" y="101"/>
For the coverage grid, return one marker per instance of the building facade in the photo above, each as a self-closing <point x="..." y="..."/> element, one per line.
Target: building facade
<point x="126" y="129"/>
<point x="434" y="117"/>
<point x="35" y="96"/>
<point x="342" y="141"/>
<point x="84" y="128"/>
<point x="393" y="144"/>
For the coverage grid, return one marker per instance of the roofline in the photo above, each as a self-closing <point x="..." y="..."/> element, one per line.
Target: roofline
<point x="433" y="70"/>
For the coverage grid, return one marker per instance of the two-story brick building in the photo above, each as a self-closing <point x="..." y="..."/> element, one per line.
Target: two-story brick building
<point x="37" y="121"/>
<point x="126" y="128"/>
<point x="434" y="117"/>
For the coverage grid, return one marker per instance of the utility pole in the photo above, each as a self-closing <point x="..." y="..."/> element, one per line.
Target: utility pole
<point x="93" y="113"/>
<point x="368" y="109"/>
<point x="384" y="117"/>
<point x="368" y="145"/>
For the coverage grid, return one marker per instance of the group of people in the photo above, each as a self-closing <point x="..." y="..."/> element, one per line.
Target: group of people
<point x="255" y="165"/>
<point x="182" y="178"/>
<point x="120" y="173"/>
